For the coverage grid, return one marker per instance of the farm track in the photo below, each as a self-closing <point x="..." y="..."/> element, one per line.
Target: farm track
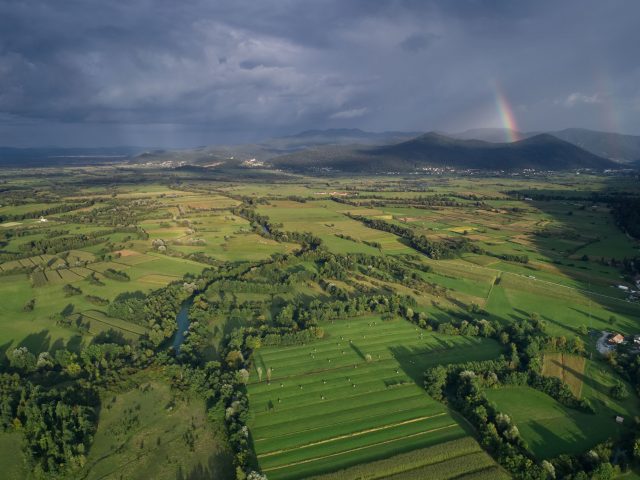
<point x="386" y="442"/>
<point x="110" y="324"/>
<point x="351" y="435"/>
<point x="547" y="282"/>
<point x="297" y="432"/>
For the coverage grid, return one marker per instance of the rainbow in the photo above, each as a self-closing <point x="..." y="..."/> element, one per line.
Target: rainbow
<point x="507" y="118"/>
<point x="610" y="111"/>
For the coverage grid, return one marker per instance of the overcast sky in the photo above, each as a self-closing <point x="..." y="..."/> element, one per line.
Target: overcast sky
<point x="177" y="73"/>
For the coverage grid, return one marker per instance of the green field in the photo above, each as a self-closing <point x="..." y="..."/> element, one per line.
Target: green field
<point x="551" y="429"/>
<point x="349" y="405"/>
<point x="150" y="432"/>
<point x="375" y="408"/>
<point x="461" y="457"/>
<point x="11" y="457"/>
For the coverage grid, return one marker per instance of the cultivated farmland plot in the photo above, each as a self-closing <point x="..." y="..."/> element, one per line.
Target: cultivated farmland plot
<point x="351" y="397"/>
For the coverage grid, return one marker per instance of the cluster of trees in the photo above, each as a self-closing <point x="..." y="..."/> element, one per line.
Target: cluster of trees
<point x="300" y="316"/>
<point x="627" y="215"/>
<point x="243" y="286"/>
<point x="57" y="424"/>
<point x="433" y="249"/>
<point x="69" y="290"/>
<point x="628" y="367"/>
<point x="52" y="399"/>
<point x="156" y="310"/>
<point x="462" y="386"/>
<point x="60" y="244"/>
<point x="116" y="213"/>
<point x="590" y="197"/>
<point x="97" y="300"/>
<point x="119" y="275"/>
<point x="263" y="226"/>
<point x="420" y="201"/>
<point x="65" y="207"/>
<point x="55" y="245"/>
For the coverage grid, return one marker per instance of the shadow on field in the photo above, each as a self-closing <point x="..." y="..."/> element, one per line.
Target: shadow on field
<point x="549" y="438"/>
<point x="582" y="241"/>
<point x="598" y="404"/>
<point x="357" y="350"/>
<point x="3" y="352"/>
<point x="412" y="361"/>
<point x="75" y="343"/>
<point x="37" y="342"/>
<point x="560" y="324"/>
<point x="219" y="466"/>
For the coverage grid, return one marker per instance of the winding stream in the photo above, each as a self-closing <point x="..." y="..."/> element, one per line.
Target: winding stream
<point x="182" y="319"/>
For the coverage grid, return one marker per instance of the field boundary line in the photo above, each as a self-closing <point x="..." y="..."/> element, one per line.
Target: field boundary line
<point x="434" y="351"/>
<point x="359" y="448"/>
<point x="323" y="402"/>
<point x="330" y="425"/>
<point x="351" y="435"/>
<point x="439" y="462"/>
<point x="547" y="282"/>
<point x="111" y="324"/>
<point x="496" y="466"/>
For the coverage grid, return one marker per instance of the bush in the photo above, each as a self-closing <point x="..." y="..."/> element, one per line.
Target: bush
<point x="619" y="391"/>
<point x="118" y="275"/>
<point x="70" y="290"/>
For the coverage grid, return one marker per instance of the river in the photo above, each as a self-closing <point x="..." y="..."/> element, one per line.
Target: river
<point x="182" y="319"/>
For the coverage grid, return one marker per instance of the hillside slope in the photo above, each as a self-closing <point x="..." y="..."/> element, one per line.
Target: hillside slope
<point x="618" y="147"/>
<point x="541" y="152"/>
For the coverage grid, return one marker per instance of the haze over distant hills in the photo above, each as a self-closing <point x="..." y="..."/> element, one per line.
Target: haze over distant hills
<point x="52" y="156"/>
<point x="355" y="150"/>
<point x="495" y="135"/>
<point x="341" y="136"/>
<point x="541" y="152"/>
<point x="614" y="146"/>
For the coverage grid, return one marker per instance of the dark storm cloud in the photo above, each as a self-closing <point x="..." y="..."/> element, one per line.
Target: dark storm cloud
<point x="417" y="41"/>
<point x="161" y="72"/>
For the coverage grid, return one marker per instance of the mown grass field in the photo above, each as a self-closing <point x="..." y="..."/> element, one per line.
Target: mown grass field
<point x="453" y="459"/>
<point x="568" y="368"/>
<point x="550" y="429"/>
<point x="329" y="405"/>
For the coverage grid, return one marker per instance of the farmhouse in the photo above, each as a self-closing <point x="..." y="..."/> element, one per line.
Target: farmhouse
<point x="616" y="339"/>
<point x="636" y="339"/>
<point x="623" y="288"/>
<point x="43" y="220"/>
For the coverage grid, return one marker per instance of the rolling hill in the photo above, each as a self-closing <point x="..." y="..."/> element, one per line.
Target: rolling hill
<point x="541" y="152"/>
<point x="339" y="136"/>
<point x="495" y="135"/>
<point x="614" y="146"/>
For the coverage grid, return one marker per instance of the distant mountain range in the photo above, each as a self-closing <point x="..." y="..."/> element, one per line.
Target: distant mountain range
<point x="494" y="135"/>
<point x="355" y="150"/>
<point x="614" y="146"/>
<point x="339" y="136"/>
<point x="540" y="152"/>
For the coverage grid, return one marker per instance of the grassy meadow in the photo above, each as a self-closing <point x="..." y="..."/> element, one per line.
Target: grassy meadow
<point x="352" y="396"/>
<point x="152" y="432"/>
